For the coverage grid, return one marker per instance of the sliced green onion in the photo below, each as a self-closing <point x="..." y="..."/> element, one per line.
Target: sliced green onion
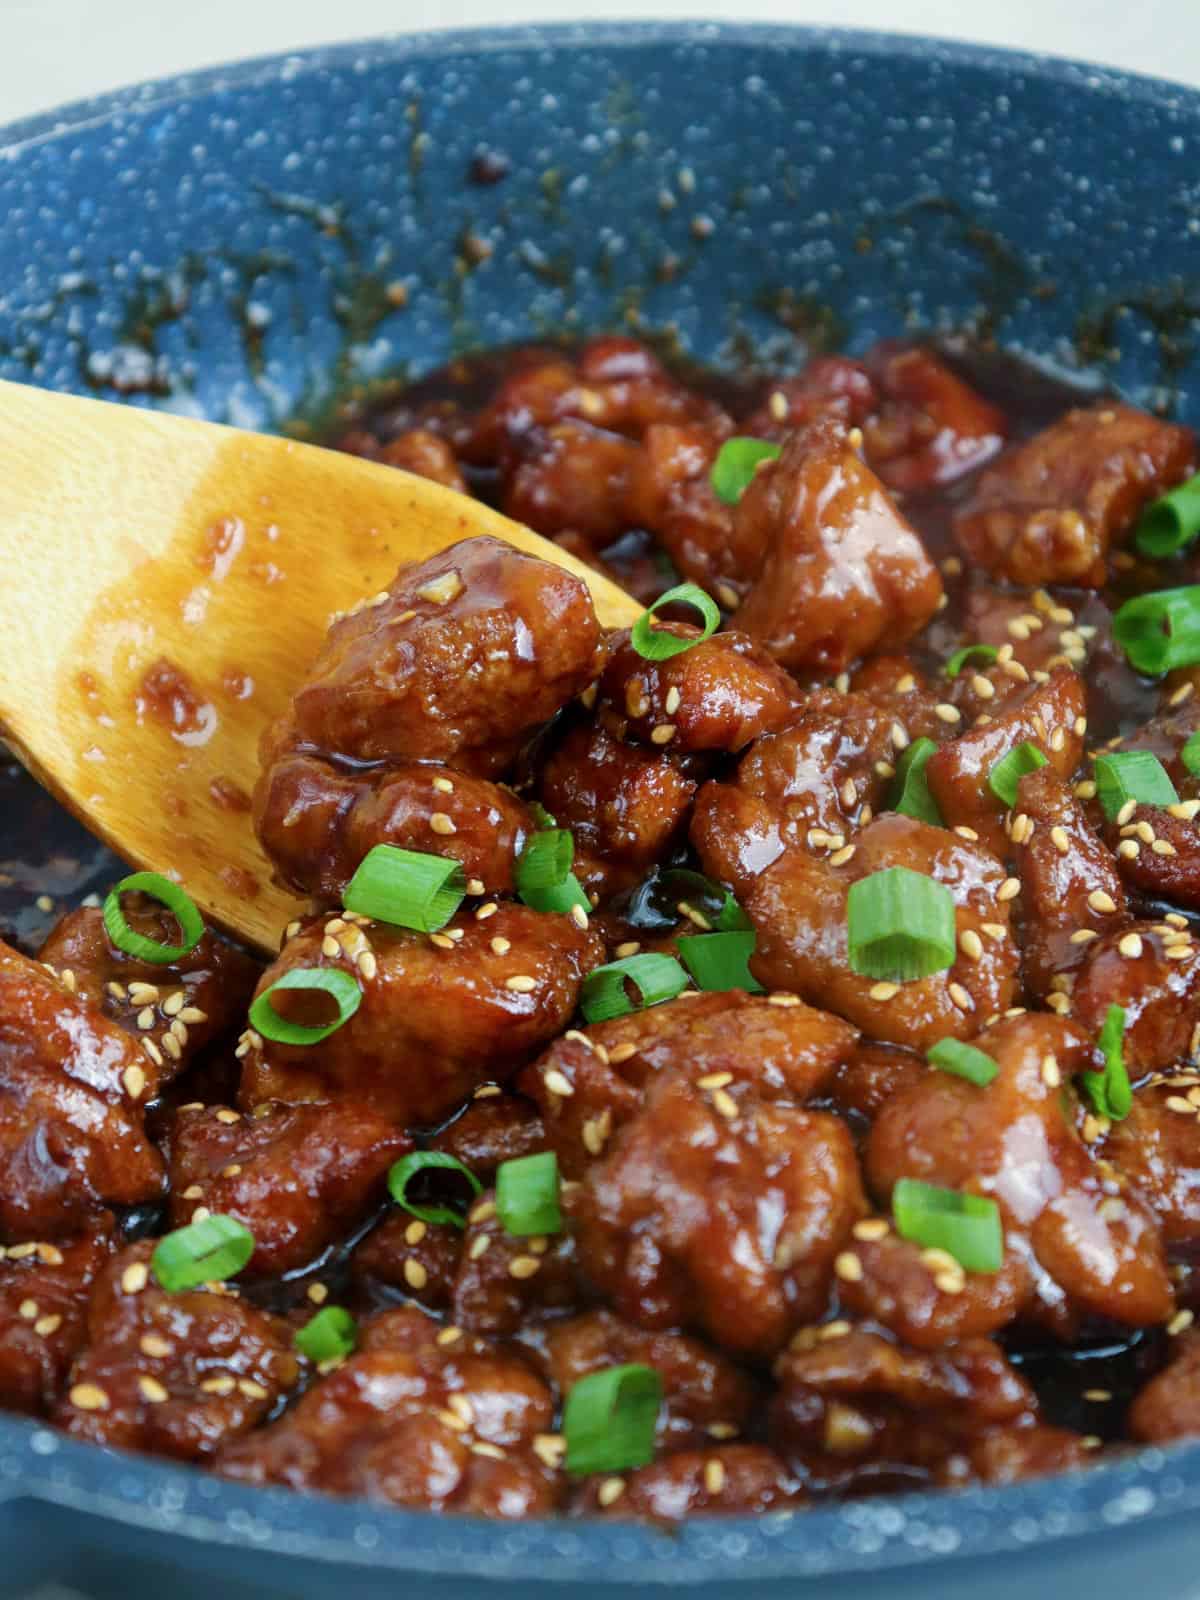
<point x="900" y="926"/>
<point x="177" y="901"/>
<point x="966" y="1226"/>
<point x="527" y="1192"/>
<point x="1171" y="522"/>
<point x="405" y="1170"/>
<point x="701" y="893"/>
<point x="658" y="644"/>
<point x="332" y="1333"/>
<point x="610" y="1418"/>
<point x="1010" y="769"/>
<point x="655" y="977"/>
<point x="981" y="652"/>
<point x="544" y="877"/>
<point x="1110" y="1091"/>
<point x="541" y="816"/>
<point x="1190" y="755"/>
<point x="910" y="791"/>
<point x="202" y="1252"/>
<point x="963" y="1060"/>
<point x="406" y="888"/>
<point x="720" y="960"/>
<point x="1132" y="775"/>
<point x="334" y="981"/>
<point x="737" y="462"/>
<point x="1160" y="631"/>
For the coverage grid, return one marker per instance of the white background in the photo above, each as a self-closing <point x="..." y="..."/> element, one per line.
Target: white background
<point x="57" y="50"/>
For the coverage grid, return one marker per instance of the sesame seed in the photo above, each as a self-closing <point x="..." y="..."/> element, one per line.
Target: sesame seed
<point x="1180" y="1321"/>
<point x="521" y="983"/>
<point x="45" y="1326"/>
<point x="440" y="591"/>
<point x="135" y="1277"/>
<point x="1051" y="1073"/>
<point x="484" y="1211"/>
<point x="1085" y="790"/>
<point x="578" y="916"/>
<point x="1022" y="829"/>
<point x="501" y="946"/>
<point x="228" y="1117"/>
<point x="884" y="991"/>
<point x="671" y="704"/>
<point x="558" y="1084"/>
<point x="778" y="406"/>
<point x="849" y="794"/>
<point x="117" y="990"/>
<point x="1098" y="1395"/>
<point x="443" y="785"/>
<point x="172" y="1046"/>
<point x="461" y="1407"/>
<point x="523" y="1266"/>
<point x="150" y="1389"/>
<point x="441" y="823"/>
<point x="441" y="941"/>
<point x="871" y="1228"/>
<point x="725" y="1104"/>
<point x="486" y="911"/>
<point x="89" y="1397"/>
<point x="1009" y="889"/>
<point x="492" y="1451"/>
<point x="1163" y="847"/>
<point x="663" y="734"/>
<point x="548" y="1447"/>
<point x="1058" y="739"/>
<point x="966" y="833"/>
<point x="415" y="1231"/>
<point x="1060" y="840"/>
<point x="728" y="596"/>
<point x="960" y="997"/>
<point x="906" y="684"/>
<point x="28" y="1309"/>
<point x="1177" y="952"/>
<point x="1174" y="920"/>
<point x="983" y="687"/>
<point x="1130" y="849"/>
<point x="134" y="1080"/>
<point x="947" y="713"/>
<point x="475" y="886"/>
<point x="885" y="769"/>
<point x="1059" y="1003"/>
<point x="1177" y="1103"/>
<point x="714" y="1476"/>
<point x="252" y="1390"/>
<point x="415" y="1274"/>
<point x="848" y="1267"/>
<point x="970" y="944"/>
<point x="146" y="1018"/>
<point x="619" y="1053"/>
<point x="1178" y="696"/>
<point x="899" y="736"/>
<point x="950" y="1282"/>
<point x="715" y="1080"/>
<point x="317" y="1293"/>
<point x="1083" y="936"/>
<point x="995" y="930"/>
<point x="330" y="947"/>
<point x="840" y="857"/>
<point x="784" y="1000"/>
<point x="1100" y="900"/>
<point x="222" y="1385"/>
<point x="1126" y="811"/>
<point x="610" y="1491"/>
<point x="479" y="1246"/>
<point x="450" y="1335"/>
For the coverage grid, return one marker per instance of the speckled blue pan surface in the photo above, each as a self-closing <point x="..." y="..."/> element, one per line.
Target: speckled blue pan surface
<point x="254" y="244"/>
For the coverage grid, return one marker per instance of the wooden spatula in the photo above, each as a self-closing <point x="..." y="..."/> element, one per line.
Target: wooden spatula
<point x="164" y="586"/>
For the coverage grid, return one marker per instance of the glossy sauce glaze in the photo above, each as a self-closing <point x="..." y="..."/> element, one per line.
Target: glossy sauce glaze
<point x="727" y="1155"/>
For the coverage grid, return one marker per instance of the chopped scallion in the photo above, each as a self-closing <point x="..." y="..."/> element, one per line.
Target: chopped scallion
<point x="610" y="1418"/>
<point x="910" y="791"/>
<point x="655" y="977"/>
<point x="1171" y="522"/>
<point x="963" y="1060"/>
<point x="1110" y="1091"/>
<point x="544" y="877"/>
<point x="527" y="1195"/>
<point x="331" y="1334"/>
<point x="209" y="1251"/>
<point x="1160" y="631"/>
<point x="1190" y="755"/>
<point x="1132" y="775"/>
<point x="900" y="926"/>
<point x="706" y="896"/>
<point x="406" y="888"/>
<point x="406" y="1169"/>
<point x="737" y="462"/>
<point x="966" y="1226"/>
<point x="720" y="960"/>
<point x="660" y="644"/>
<point x="1010" y="769"/>
<point x="333" y="981"/>
<point x="177" y="901"/>
<point x="970" y="652"/>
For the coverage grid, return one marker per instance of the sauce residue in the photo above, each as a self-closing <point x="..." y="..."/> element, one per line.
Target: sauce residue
<point x="166" y="693"/>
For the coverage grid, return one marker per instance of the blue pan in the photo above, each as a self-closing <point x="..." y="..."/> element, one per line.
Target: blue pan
<point x="263" y="243"/>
